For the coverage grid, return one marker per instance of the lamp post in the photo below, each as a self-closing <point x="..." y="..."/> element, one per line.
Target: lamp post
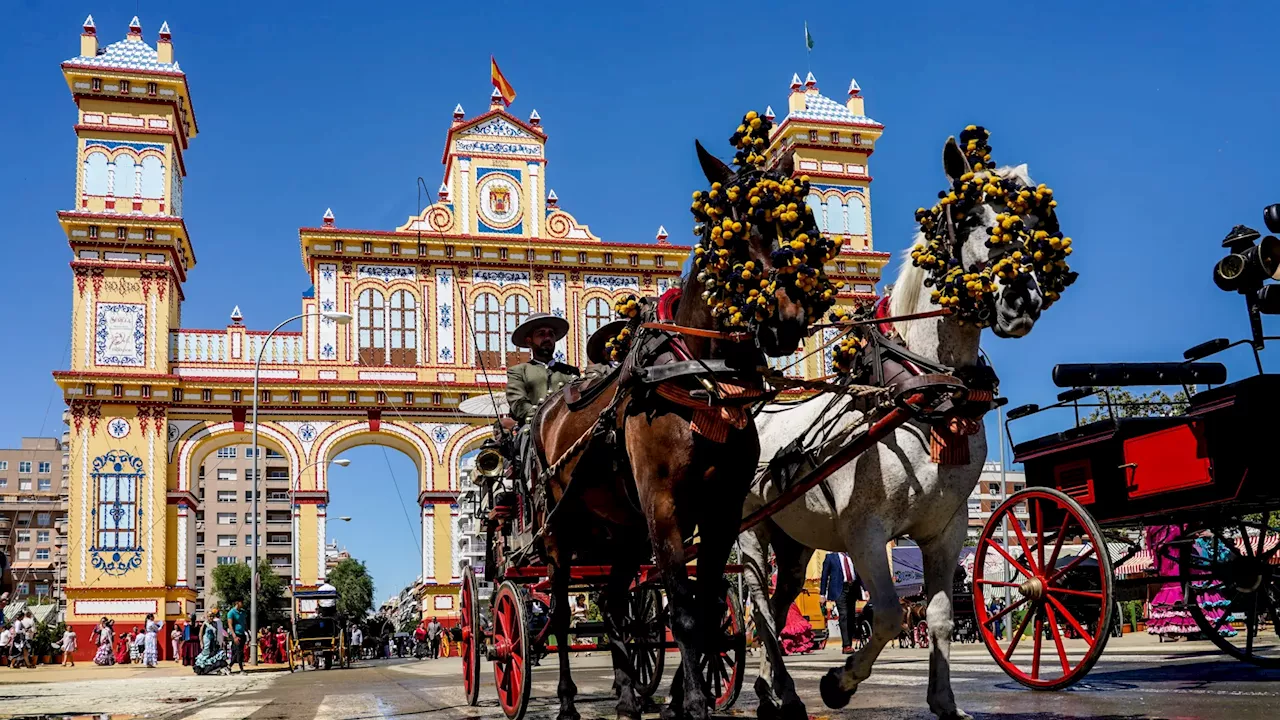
<point x="342" y="319"/>
<point x="293" y="545"/>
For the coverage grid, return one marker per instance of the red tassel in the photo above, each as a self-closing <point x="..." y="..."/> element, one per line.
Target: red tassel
<point x="947" y="447"/>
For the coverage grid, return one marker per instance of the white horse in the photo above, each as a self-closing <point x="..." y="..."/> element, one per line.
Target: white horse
<point x="890" y="491"/>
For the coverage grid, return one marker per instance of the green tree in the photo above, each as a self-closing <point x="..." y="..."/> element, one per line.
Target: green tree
<point x="355" y="589"/>
<point x="1156" y="403"/>
<point x="231" y="583"/>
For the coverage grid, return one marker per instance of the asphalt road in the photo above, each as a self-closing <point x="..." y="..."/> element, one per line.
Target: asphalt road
<point x="1134" y="680"/>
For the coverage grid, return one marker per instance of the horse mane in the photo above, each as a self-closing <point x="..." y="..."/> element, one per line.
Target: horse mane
<point x="906" y="289"/>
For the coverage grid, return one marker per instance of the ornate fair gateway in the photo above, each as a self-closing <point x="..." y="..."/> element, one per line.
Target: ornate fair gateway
<point x="434" y="302"/>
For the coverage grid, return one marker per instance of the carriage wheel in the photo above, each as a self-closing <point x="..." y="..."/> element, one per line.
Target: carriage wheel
<point x="1241" y="587"/>
<point x="723" y="669"/>
<point x="645" y="639"/>
<point x="1046" y="594"/>
<point x="511" y="668"/>
<point x="922" y="634"/>
<point x="863" y="635"/>
<point x="469" y="622"/>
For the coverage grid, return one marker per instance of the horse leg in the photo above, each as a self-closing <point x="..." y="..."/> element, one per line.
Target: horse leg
<point x="717" y="531"/>
<point x="866" y="547"/>
<point x="624" y="673"/>
<point x="687" y="699"/>
<point x="754" y="548"/>
<point x="792" y="558"/>
<point x="941" y="555"/>
<point x="560" y="572"/>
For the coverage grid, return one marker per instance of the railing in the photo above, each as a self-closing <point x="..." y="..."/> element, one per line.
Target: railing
<point x="215" y="347"/>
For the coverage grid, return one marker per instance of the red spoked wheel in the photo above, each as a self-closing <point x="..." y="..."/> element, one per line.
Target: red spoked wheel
<point x="645" y="636"/>
<point x="723" y="668"/>
<point x="469" y="624"/>
<point x="511" y="669"/>
<point x="1048" y="593"/>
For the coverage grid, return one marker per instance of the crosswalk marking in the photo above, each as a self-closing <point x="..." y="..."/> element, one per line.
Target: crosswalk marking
<point x="230" y="710"/>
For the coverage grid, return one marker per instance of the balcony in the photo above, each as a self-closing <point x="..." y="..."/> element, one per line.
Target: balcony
<point x="5" y="522"/>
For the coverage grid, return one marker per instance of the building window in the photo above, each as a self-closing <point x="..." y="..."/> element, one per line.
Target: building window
<point x="633" y="259"/>
<point x="324" y="396"/>
<point x="857" y="139"/>
<point x="813" y="136"/>
<point x="206" y="395"/>
<point x="408" y="398"/>
<point x="236" y="396"/>
<point x="42" y="553"/>
<point x="24" y="466"/>
<point x="502" y="254"/>
<point x="96" y="83"/>
<point x="124" y="86"/>
<point x="249" y="452"/>
<point x="226" y="541"/>
<point x="44" y="468"/>
<point x="840" y="267"/>
<point x="862" y="268"/>
<point x="555" y="256"/>
<point x="152" y="179"/>
<point x="598" y="314"/>
<point x="24" y="554"/>
<point x="151" y="89"/>
<point x="835" y="137"/>
<point x="4" y="464"/>
<point x="659" y="260"/>
<point x="42" y="536"/>
<point x="371" y="316"/>
<point x="95" y="180"/>
<point x="227" y="452"/>
<point x="42" y="588"/>
<point x="24" y="483"/>
<point x="4" y="482"/>
<point x="226" y="560"/>
<point x="122" y="233"/>
<point x="582" y="257"/>
<point x="226" y="496"/>
<point x="395" y="248"/>
<point x="44" y="484"/>
<point x="226" y="474"/>
<point x="819" y="211"/>
<point x="117" y="504"/>
<point x="24" y="536"/>
<point x="403" y="317"/>
<point x="857" y="224"/>
<point x="608" y="258"/>
<point x="367" y="247"/>
<point x="488" y="329"/>
<point x="227" y="518"/>
<point x="516" y="312"/>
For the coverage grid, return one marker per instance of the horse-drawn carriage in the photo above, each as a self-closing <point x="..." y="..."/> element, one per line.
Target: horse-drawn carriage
<point x="318" y="640"/>
<point x="1203" y="476"/>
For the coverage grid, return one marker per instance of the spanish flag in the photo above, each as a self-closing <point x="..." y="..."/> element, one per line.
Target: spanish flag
<point x="500" y="82"/>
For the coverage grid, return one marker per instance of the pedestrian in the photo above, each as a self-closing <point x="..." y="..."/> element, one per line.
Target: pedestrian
<point x="282" y="644"/>
<point x="357" y="640"/>
<point x="175" y="640"/>
<point x="68" y="646"/>
<point x="434" y="631"/>
<point x="841" y="589"/>
<point x="137" y="645"/>
<point x="20" y="651"/>
<point x="239" y="637"/>
<point x="29" y="629"/>
<point x="6" y="643"/>
<point x="994" y="609"/>
<point x="211" y="659"/>
<point x="103" y="638"/>
<point x="123" y="643"/>
<point x="150" y="646"/>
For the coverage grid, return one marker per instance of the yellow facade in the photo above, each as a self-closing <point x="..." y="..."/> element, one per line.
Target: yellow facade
<point x="433" y="301"/>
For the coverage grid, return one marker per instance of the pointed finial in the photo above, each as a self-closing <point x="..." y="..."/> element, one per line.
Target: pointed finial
<point x="795" y="82"/>
<point x="810" y="81"/>
<point x="165" y="35"/>
<point x="535" y="119"/>
<point x="854" y="90"/>
<point x="236" y="316"/>
<point x="495" y="100"/>
<point x="768" y="112"/>
<point x="89" y="27"/>
<point x="443" y="192"/>
<point x="328" y="217"/>
<point x="458" y="114"/>
<point x="552" y="199"/>
<point x="661" y="237"/>
<point x="135" y="26"/>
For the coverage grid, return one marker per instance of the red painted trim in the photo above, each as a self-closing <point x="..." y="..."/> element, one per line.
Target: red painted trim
<point x="178" y="496"/>
<point x="828" y="123"/>
<point x="134" y="267"/>
<point x="90" y="69"/>
<point x="76" y="244"/>
<point x="434" y="497"/>
<point x="283" y="333"/>
<point x="496" y="241"/>
<point x="311" y="497"/>
<point x="77" y="374"/>
<point x="868" y="151"/>
<point x="831" y="176"/>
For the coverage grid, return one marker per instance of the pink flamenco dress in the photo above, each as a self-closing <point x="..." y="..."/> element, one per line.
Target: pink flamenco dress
<point x="1168" y="616"/>
<point x="797" y="634"/>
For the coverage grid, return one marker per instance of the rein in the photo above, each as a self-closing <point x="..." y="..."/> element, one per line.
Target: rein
<point x="735" y="337"/>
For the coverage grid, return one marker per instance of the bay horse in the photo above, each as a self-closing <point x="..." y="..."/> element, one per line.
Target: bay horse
<point x="891" y="491"/>
<point x="653" y="480"/>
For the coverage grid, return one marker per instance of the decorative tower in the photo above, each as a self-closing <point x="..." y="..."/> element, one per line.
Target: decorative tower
<point x="130" y="256"/>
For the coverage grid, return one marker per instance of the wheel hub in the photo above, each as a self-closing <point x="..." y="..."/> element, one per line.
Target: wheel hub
<point x="503" y="649"/>
<point x="1032" y="589"/>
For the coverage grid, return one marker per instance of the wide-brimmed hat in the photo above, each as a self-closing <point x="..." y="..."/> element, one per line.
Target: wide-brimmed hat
<point x="596" y="351"/>
<point x="520" y="338"/>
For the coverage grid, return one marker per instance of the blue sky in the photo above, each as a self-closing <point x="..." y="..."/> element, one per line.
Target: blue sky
<point x="1153" y="122"/>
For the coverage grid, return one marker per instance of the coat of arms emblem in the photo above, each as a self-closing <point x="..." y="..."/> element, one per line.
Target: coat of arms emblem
<point x="499" y="199"/>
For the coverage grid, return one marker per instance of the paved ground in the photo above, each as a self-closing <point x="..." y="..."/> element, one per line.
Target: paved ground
<point x="1136" y="679"/>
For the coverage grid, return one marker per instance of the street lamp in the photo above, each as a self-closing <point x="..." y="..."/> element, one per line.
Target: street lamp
<point x="293" y="544"/>
<point x="342" y="319"/>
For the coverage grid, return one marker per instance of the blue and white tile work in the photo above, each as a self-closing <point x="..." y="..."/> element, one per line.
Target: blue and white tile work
<point x="121" y="335"/>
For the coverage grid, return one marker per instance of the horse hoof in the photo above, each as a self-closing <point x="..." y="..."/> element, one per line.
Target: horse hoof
<point x="832" y="695"/>
<point x="768" y="709"/>
<point x="568" y="715"/>
<point x="954" y="714"/>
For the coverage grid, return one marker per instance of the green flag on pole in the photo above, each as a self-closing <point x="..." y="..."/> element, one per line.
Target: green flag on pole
<point x="808" y="39"/>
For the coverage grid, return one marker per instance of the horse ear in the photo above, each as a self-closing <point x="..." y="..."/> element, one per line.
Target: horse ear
<point x="954" y="162"/>
<point x="715" y="170"/>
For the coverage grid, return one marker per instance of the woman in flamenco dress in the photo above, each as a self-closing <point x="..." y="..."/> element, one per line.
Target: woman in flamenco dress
<point x="1168" y="616"/>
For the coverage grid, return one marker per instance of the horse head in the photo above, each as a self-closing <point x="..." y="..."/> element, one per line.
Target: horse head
<point x="992" y="247"/>
<point x="759" y="262"/>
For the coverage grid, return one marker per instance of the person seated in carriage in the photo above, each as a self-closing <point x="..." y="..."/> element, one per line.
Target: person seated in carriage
<point x="529" y="383"/>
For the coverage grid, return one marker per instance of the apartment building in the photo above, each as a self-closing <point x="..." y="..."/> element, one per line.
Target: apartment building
<point x="987" y="496"/>
<point x="224" y="525"/>
<point x="33" y="520"/>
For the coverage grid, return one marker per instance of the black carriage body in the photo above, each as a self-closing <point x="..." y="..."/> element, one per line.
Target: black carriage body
<point x="1215" y="457"/>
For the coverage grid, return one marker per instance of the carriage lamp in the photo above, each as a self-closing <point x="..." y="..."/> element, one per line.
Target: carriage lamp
<point x="1248" y="265"/>
<point x="1271" y="216"/>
